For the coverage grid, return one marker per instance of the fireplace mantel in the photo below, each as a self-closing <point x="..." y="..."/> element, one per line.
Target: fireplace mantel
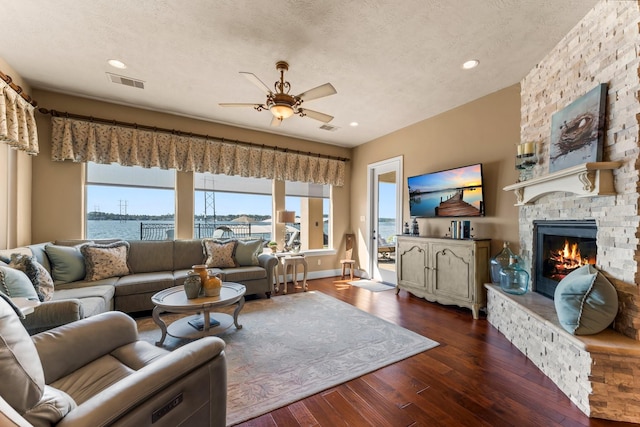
<point x="585" y="180"/>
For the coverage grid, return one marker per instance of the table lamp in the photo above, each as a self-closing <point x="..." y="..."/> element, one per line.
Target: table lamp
<point x="285" y="217"/>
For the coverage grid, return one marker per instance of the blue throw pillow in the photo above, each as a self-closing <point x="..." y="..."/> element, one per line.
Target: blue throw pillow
<point x="586" y="302"/>
<point x="14" y="283"/>
<point x="67" y="263"/>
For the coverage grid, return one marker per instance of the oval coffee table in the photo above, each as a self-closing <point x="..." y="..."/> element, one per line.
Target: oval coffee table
<point x="174" y="300"/>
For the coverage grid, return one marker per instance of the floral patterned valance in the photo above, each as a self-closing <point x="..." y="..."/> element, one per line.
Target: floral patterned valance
<point x="17" y="121"/>
<point x="83" y="141"/>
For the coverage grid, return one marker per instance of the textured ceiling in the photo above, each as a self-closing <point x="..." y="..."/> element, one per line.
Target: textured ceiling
<point x="393" y="63"/>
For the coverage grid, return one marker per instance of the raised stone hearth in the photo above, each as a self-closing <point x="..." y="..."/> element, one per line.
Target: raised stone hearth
<point x="597" y="372"/>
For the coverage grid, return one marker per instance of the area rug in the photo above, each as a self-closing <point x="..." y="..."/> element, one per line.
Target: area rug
<point x="294" y="346"/>
<point x="371" y="285"/>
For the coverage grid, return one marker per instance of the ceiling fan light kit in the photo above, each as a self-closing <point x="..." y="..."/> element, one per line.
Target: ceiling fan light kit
<point x="280" y="103"/>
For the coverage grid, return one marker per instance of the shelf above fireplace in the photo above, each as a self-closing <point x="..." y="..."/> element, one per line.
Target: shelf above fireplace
<point x="585" y="180"/>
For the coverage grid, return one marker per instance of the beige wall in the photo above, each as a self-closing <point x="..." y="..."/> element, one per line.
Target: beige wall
<point x="15" y="185"/>
<point x="483" y="131"/>
<point x="58" y="191"/>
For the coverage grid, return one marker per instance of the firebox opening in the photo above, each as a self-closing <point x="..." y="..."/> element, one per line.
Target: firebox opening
<point x="560" y="248"/>
<point x="564" y="254"/>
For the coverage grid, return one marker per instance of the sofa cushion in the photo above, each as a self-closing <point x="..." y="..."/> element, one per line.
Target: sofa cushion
<point x="241" y="274"/>
<point x="15" y="283"/>
<point x="39" y="276"/>
<point x="247" y="252"/>
<point x="187" y="253"/>
<point x="150" y="256"/>
<point x="103" y="261"/>
<point x="586" y="302"/>
<point x="92" y="378"/>
<point x="144" y="283"/>
<point x="21" y="372"/>
<point x="219" y="255"/>
<point x="94" y="299"/>
<point x="109" y="281"/>
<point x="67" y="263"/>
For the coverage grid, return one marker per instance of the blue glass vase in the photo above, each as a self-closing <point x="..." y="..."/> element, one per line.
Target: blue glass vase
<point x="514" y="279"/>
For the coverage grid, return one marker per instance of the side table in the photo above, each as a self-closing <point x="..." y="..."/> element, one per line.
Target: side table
<point x="293" y="261"/>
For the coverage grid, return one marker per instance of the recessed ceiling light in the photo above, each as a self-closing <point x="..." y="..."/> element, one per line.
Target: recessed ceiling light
<point x="353" y="124"/>
<point x="117" y="64"/>
<point x="470" y="64"/>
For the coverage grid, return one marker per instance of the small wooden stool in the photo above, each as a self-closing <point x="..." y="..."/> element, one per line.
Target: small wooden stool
<point x="294" y="261"/>
<point x="348" y="262"/>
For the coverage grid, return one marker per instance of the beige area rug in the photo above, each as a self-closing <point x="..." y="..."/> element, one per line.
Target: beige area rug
<point x="294" y="346"/>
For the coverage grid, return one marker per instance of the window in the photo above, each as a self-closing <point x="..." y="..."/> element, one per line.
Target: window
<point x="311" y="205"/>
<point x="232" y="206"/>
<point x="129" y="202"/>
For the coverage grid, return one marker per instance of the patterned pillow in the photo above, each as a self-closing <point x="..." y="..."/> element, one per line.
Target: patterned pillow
<point x="219" y="255"/>
<point x="39" y="276"/>
<point x="104" y="261"/>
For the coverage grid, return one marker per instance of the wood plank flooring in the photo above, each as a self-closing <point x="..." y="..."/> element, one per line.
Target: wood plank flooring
<point x="475" y="377"/>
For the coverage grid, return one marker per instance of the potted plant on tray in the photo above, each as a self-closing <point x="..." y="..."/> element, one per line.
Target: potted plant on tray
<point x="273" y="246"/>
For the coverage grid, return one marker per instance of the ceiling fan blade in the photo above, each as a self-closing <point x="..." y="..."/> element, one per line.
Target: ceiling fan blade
<point x="256" y="81"/>
<point x="318" y="92"/>
<point x="238" y="104"/>
<point x="275" y="121"/>
<point x="316" y="115"/>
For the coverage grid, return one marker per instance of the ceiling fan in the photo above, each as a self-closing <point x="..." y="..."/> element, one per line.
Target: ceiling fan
<point x="280" y="103"/>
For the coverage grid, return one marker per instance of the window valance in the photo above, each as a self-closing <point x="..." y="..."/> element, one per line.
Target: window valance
<point x="83" y="141"/>
<point x="17" y="121"/>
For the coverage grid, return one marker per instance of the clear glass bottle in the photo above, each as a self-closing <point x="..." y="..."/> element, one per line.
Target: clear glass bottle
<point x="500" y="261"/>
<point x="513" y="278"/>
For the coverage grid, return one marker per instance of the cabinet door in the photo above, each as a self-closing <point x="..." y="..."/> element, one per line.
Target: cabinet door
<point x="411" y="263"/>
<point x="452" y="266"/>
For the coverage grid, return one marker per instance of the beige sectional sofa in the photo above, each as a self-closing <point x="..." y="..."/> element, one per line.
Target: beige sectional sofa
<point x="154" y="266"/>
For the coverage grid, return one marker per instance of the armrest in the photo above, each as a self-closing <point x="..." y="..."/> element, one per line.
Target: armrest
<point x="66" y="348"/>
<point x="52" y="314"/>
<point x="268" y="262"/>
<point x="138" y="388"/>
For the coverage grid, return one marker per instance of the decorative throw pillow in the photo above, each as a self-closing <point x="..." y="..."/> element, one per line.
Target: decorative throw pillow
<point x="67" y="263"/>
<point x="104" y="261"/>
<point x="219" y="255"/>
<point x="586" y="302"/>
<point x="39" y="276"/>
<point x="14" y="283"/>
<point x="247" y="252"/>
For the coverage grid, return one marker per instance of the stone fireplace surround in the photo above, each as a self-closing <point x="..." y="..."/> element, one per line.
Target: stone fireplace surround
<point x="599" y="372"/>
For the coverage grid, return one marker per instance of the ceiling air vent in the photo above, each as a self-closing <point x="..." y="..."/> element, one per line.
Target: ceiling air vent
<point x="127" y="81"/>
<point x="329" y="127"/>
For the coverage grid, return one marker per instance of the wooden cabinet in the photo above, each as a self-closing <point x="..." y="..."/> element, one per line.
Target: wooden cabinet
<point x="444" y="270"/>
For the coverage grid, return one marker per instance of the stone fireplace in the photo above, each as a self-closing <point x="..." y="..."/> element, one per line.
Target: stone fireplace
<point x="560" y="247"/>
<point x="598" y="372"/>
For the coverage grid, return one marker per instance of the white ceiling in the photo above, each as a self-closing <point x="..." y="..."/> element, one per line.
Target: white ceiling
<point x="393" y="63"/>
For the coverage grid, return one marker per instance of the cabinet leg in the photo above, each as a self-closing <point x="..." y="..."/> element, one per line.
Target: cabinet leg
<point x="397" y="290"/>
<point x="475" y="310"/>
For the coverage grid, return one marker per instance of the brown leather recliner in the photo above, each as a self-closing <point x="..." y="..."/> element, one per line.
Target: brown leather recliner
<point x="95" y="372"/>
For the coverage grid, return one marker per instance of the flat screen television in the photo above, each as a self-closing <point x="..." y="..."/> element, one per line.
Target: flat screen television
<point x="454" y="192"/>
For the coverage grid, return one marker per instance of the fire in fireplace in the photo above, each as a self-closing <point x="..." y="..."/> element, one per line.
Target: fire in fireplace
<point x="560" y="248"/>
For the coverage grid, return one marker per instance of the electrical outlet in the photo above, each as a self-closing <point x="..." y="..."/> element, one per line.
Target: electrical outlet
<point x="319" y="261"/>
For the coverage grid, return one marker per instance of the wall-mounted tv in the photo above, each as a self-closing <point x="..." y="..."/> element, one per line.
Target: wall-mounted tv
<point x="449" y="193"/>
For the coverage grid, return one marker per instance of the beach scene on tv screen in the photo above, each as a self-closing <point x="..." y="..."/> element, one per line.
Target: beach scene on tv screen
<point x="454" y="192"/>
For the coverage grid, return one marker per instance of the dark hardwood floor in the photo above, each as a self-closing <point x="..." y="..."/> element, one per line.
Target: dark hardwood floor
<point x="475" y="377"/>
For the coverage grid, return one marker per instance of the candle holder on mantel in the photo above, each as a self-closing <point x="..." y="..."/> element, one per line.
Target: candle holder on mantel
<point x="526" y="159"/>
